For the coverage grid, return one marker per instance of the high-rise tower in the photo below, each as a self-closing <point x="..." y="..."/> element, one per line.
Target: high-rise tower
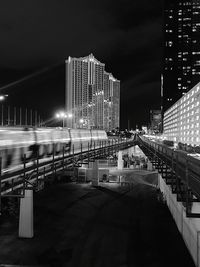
<point x="87" y="93"/>
<point x="84" y="92"/>
<point x="111" y="102"/>
<point x="181" y="48"/>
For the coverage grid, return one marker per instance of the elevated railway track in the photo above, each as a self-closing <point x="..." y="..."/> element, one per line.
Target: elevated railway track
<point x="180" y="170"/>
<point x="33" y="174"/>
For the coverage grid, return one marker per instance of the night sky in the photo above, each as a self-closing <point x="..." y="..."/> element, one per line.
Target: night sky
<point x="126" y="35"/>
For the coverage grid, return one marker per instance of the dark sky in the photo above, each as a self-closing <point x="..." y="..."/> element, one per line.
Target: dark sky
<point x="126" y="35"/>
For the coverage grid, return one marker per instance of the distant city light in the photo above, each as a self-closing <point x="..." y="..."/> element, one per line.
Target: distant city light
<point x="63" y="115"/>
<point x="2" y="97"/>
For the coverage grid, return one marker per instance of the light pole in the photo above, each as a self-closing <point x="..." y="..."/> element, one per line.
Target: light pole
<point x="2" y="98"/>
<point x="69" y="118"/>
<point x="81" y="123"/>
<point x="62" y="116"/>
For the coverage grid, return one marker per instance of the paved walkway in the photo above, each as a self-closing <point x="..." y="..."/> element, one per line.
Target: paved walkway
<point x="109" y="226"/>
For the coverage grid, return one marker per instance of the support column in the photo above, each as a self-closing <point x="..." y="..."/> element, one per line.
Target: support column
<point x="149" y="166"/>
<point x="120" y="162"/>
<point x="95" y="174"/>
<point x="26" y="215"/>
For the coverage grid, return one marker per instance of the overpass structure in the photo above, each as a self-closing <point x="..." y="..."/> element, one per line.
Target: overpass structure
<point x="179" y="182"/>
<point x="32" y="175"/>
<point x="180" y="170"/>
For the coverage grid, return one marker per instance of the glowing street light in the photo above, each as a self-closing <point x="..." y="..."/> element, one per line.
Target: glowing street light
<point x="2" y="98"/>
<point x="62" y="115"/>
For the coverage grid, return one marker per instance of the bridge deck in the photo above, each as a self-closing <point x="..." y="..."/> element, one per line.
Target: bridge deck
<point x="78" y="225"/>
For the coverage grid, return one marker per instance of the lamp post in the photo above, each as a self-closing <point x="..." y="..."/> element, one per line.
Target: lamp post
<point x="2" y="98"/>
<point x="69" y="117"/>
<point x="62" y="115"/>
<point x="81" y="123"/>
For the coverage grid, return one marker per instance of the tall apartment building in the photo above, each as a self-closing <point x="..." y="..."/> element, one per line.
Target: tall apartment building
<point x="111" y="101"/>
<point x="181" y="48"/>
<point x="91" y="95"/>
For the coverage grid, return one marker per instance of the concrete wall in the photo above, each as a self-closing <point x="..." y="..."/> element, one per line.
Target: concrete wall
<point x="188" y="227"/>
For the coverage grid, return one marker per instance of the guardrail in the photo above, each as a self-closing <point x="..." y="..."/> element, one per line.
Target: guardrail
<point x="33" y="174"/>
<point x="180" y="170"/>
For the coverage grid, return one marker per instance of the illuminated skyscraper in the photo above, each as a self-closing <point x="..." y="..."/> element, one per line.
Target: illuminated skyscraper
<point x="111" y="102"/>
<point x="182" y="48"/>
<point x="85" y="99"/>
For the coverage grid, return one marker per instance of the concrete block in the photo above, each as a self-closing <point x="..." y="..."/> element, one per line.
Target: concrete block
<point x="190" y="237"/>
<point x="26" y="215"/>
<point x="120" y="162"/>
<point x="149" y="166"/>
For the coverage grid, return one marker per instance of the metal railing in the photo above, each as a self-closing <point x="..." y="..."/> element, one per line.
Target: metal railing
<point x="33" y="174"/>
<point x="181" y="170"/>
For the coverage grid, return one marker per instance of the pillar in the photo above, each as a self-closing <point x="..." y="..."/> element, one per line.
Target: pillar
<point x="26" y="215"/>
<point x="149" y="166"/>
<point x="95" y="174"/>
<point x="120" y="162"/>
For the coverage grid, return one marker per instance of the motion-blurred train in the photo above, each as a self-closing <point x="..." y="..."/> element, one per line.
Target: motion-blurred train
<point x="17" y="142"/>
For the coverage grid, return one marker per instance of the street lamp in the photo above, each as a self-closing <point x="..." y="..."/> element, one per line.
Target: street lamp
<point x="62" y="115"/>
<point x="2" y="98"/>
<point x="81" y="123"/>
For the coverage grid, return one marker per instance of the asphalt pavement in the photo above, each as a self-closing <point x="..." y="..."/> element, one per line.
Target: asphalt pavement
<point x="77" y="225"/>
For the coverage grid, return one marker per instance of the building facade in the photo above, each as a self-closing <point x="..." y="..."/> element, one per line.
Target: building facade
<point x="182" y="120"/>
<point x="155" y="121"/>
<point x="181" y="68"/>
<point x="92" y="95"/>
<point x="111" y="102"/>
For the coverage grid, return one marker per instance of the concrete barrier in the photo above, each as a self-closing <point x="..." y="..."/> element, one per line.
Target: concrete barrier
<point x="26" y="215"/>
<point x="188" y="227"/>
<point x="120" y="162"/>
